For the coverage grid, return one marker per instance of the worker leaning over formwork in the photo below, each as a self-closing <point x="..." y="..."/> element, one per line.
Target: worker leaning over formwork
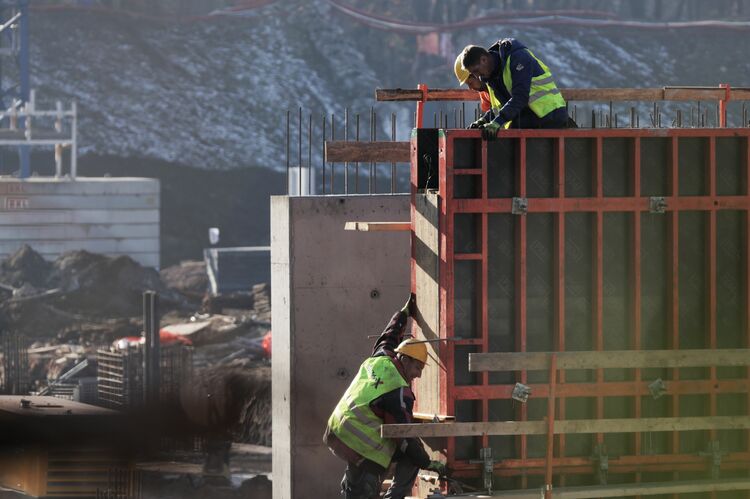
<point x="381" y="393"/>
<point x="522" y="91"/>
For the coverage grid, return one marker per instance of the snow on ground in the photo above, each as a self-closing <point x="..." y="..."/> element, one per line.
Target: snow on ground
<point x="214" y="93"/>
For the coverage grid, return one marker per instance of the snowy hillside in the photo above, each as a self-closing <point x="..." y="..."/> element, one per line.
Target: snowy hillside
<point x="213" y="93"/>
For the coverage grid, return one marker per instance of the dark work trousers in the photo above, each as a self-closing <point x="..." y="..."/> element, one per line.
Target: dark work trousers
<point x="554" y="119"/>
<point x="403" y="477"/>
<point x="363" y="481"/>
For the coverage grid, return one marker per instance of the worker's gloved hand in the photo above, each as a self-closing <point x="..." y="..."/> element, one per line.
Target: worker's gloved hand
<point x="489" y="131"/>
<point x="478" y="123"/>
<point x="408" y="308"/>
<point x="438" y="467"/>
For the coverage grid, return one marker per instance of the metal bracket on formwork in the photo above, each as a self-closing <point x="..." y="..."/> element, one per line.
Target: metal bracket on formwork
<point x="713" y="450"/>
<point x="520" y="206"/>
<point x="602" y="458"/>
<point x="657" y="204"/>
<point x="521" y="393"/>
<point x="488" y="466"/>
<point x="657" y="388"/>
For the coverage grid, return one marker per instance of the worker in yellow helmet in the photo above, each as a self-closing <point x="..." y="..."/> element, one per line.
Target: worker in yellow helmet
<point x="465" y="78"/>
<point x="381" y="393"/>
<point x="521" y="87"/>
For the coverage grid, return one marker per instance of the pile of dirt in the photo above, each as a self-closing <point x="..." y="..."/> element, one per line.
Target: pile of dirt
<point x="25" y="266"/>
<point x="189" y="277"/>
<point x="81" y="294"/>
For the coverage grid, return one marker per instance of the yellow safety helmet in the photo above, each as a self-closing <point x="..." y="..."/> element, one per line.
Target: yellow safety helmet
<point x="413" y="348"/>
<point x="462" y="74"/>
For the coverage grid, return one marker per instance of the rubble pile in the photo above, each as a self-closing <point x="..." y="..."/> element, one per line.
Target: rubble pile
<point x="80" y="297"/>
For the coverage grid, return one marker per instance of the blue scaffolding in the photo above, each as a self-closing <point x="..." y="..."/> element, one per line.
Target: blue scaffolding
<point x="15" y="84"/>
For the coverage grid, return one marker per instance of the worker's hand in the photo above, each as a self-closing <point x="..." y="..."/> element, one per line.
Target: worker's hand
<point x="489" y="131"/>
<point x="478" y="123"/>
<point x="438" y="467"/>
<point x="409" y="306"/>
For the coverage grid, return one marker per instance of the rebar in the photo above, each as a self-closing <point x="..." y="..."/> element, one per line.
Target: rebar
<point x="299" y="153"/>
<point x="288" y="159"/>
<point x="593" y="118"/>
<point x="309" y="156"/>
<point x="393" y="164"/>
<point x="323" y="157"/>
<point x="356" y="164"/>
<point x="346" y="139"/>
<point x="374" y="164"/>
<point x="463" y="115"/>
<point x="333" y="137"/>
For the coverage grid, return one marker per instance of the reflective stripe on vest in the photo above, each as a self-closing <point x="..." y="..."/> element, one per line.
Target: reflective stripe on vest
<point x="354" y="423"/>
<point x="544" y="96"/>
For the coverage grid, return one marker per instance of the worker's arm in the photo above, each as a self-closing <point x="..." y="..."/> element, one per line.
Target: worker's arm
<point x="396" y="407"/>
<point x="393" y="334"/>
<point x="522" y="66"/>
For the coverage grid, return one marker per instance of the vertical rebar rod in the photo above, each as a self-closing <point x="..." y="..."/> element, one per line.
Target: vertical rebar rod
<point x="323" y="157"/>
<point x="434" y="120"/>
<point x="369" y="173"/>
<point x="346" y="139"/>
<point x="593" y="118"/>
<point x="374" y="138"/>
<point x="356" y="164"/>
<point x="575" y="112"/>
<point x="632" y="117"/>
<point x="309" y="156"/>
<point x="393" y="164"/>
<point x="699" y="116"/>
<point x="288" y="159"/>
<point x="463" y="115"/>
<point x="299" y="153"/>
<point x="609" y="123"/>
<point x="333" y="137"/>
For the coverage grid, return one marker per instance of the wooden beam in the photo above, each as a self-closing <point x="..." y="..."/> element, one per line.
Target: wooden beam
<point x="339" y="151"/>
<point x="633" y="489"/>
<point x="578" y="94"/>
<point x="577" y="426"/>
<point x="620" y="359"/>
<point x="378" y="226"/>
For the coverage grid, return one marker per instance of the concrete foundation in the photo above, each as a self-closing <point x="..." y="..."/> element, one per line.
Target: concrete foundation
<point x="330" y="290"/>
<point x="112" y="216"/>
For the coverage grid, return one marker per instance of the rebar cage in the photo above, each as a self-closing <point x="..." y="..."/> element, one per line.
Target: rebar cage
<point x="586" y="240"/>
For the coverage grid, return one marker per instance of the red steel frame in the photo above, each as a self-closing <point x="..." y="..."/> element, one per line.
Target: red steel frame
<point x="556" y="389"/>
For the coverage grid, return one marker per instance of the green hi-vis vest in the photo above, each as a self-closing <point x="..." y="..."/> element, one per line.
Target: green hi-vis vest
<point x="544" y="96"/>
<point x="354" y="423"/>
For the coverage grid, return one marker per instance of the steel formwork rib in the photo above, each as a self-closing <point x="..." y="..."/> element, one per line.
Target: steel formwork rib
<point x="705" y="207"/>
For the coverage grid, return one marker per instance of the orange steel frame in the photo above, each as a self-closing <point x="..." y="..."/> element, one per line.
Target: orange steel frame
<point x="556" y="389"/>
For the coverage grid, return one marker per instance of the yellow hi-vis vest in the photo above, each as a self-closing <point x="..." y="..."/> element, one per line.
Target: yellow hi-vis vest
<point x="544" y="96"/>
<point x="354" y="423"/>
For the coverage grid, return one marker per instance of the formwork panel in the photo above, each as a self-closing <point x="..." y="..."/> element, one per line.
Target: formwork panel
<point x="586" y="240"/>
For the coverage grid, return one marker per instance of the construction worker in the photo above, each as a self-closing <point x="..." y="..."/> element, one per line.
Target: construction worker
<point x="381" y="393"/>
<point x="465" y="78"/>
<point x="521" y="88"/>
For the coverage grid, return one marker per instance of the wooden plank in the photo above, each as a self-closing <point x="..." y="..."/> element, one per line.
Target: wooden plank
<point x="577" y="426"/>
<point x="378" y="226"/>
<point x="339" y="151"/>
<point x="577" y="94"/>
<point x="620" y="359"/>
<point x="463" y="429"/>
<point x="654" y="488"/>
<point x="626" y="490"/>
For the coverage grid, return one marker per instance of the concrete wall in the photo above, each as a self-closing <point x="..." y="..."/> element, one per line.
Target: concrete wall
<point x="330" y="289"/>
<point x="113" y="216"/>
